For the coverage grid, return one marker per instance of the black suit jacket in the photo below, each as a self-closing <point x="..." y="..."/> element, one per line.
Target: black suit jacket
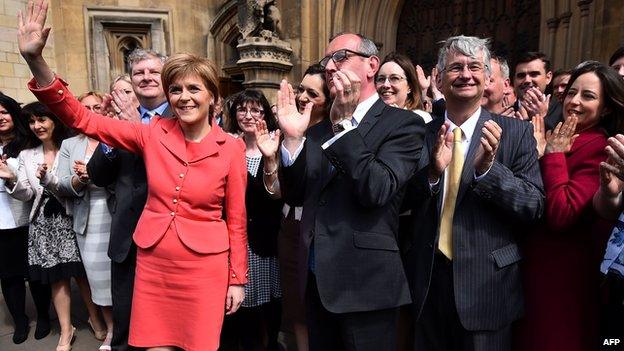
<point x="489" y="215"/>
<point x="351" y="193"/>
<point x="127" y="172"/>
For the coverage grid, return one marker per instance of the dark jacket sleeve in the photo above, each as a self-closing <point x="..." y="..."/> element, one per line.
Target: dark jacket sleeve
<point x="378" y="175"/>
<point x="101" y="169"/>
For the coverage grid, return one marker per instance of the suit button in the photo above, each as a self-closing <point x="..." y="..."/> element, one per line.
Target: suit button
<point x="177" y="188"/>
<point x="233" y="275"/>
<point x="185" y="164"/>
<point x="175" y="201"/>
<point x="172" y="214"/>
<point x="322" y="203"/>
<point x="60" y="92"/>
<point x="181" y="175"/>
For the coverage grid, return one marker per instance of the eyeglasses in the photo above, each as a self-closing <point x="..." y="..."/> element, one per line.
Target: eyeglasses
<point x="394" y="79"/>
<point x="473" y="67"/>
<point x="340" y="56"/>
<point x="254" y="112"/>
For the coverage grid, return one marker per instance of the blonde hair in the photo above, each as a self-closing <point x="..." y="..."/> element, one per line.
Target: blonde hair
<point x="125" y="77"/>
<point x="184" y="65"/>
<point x="97" y="94"/>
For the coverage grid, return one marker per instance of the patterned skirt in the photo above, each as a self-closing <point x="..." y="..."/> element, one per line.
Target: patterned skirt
<point x="94" y="247"/>
<point x="53" y="253"/>
<point x="263" y="284"/>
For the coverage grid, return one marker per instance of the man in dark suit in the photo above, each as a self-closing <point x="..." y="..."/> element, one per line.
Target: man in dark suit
<point x="127" y="171"/>
<point x="532" y="75"/>
<point x="349" y="173"/>
<point x="477" y="187"/>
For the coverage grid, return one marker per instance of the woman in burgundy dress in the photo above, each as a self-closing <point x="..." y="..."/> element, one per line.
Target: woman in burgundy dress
<point x="563" y="253"/>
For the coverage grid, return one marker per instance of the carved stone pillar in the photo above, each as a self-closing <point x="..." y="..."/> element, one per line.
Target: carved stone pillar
<point x="584" y="6"/>
<point x="552" y="24"/>
<point x="265" y="61"/>
<point x="564" y="19"/>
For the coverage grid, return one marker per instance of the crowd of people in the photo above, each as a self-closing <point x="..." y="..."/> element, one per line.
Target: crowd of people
<point x="372" y="207"/>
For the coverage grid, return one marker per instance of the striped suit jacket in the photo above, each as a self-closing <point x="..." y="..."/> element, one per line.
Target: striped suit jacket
<point x="490" y="214"/>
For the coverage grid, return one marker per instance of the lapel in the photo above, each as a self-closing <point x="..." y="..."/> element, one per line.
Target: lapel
<point x="173" y="139"/>
<point x="468" y="169"/>
<point x="80" y="149"/>
<point x="432" y="131"/>
<point x="366" y="124"/>
<point x="371" y="117"/>
<point x="210" y="144"/>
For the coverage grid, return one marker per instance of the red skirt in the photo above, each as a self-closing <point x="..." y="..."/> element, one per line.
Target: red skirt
<point x="179" y="296"/>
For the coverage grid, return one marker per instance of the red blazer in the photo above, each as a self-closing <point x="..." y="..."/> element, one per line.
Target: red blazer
<point x="186" y="190"/>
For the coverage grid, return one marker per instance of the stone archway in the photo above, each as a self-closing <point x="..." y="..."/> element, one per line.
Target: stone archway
<point x="513" y="26"/>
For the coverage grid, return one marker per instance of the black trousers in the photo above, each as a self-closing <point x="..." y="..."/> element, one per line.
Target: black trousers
<point x="122" y="284"/>
<point x="439" y="327"/>
<point x="252" y="328"/>
<point x="370" y="330"/>
<point x="14" y="292"/>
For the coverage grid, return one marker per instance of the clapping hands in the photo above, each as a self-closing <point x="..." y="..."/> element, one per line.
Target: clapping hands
<point x="5" y="171"/>
<point x="562" y="137"/>
<point x="80" y="168"/>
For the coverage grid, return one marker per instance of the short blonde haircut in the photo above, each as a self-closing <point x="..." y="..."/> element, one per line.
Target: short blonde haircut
<point x="125" y="77"/>
<point x="97" y="94"/>
<point x="185" y="65"/>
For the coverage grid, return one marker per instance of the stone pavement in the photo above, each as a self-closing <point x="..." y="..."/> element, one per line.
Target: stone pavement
<point x="85" y="341"/>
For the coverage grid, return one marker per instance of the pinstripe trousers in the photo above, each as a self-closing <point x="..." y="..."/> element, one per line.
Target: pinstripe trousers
<point x="439" y="327"/>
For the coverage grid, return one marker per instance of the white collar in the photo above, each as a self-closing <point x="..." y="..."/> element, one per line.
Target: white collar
<point x="364" y="106"/>
<point x="468" y="126"/>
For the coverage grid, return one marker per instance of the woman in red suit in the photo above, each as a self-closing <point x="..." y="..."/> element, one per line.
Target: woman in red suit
<point x="563" y="254"/>
<point x="191" y="263"/>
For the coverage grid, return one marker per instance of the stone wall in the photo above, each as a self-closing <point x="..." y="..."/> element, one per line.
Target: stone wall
<point x="14" y="73"/>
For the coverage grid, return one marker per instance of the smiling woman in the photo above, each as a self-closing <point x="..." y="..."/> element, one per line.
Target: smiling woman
<point x="191" y="236"/>
<point x="562" y="289"/>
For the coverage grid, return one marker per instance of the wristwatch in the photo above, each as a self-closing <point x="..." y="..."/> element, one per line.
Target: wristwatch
<point x="341" y="126"/>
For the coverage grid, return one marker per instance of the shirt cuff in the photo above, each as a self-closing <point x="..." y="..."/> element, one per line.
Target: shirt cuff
<point x="287" y="159"/>
<point x="329" y="142"/>
<point x="478" y="178"/>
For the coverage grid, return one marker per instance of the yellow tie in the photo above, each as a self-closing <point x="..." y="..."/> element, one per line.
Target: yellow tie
<point x="452" y="186"/>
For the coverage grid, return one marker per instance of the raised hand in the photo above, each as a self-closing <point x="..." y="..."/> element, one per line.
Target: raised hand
<point x="31" y="34"/>
<point x="490" y="140"/>
<point x="522" y="113"/>
<point x="423" y="81"/>
<point x="562" y="137"/>
<point x="292" y="123"/>
<point x="536" y="102"/>
<point x="539" y="133"/>
<point x="31" y="39"/>
<point x="615" y="151"/>
<point x="347" y="85"/>
<point x="610" y="183"/>
<point x="124" y="107"/>
<point x="441" y="154"/>
<point x="435" y="92"/>
<point x="268" y="142"/>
